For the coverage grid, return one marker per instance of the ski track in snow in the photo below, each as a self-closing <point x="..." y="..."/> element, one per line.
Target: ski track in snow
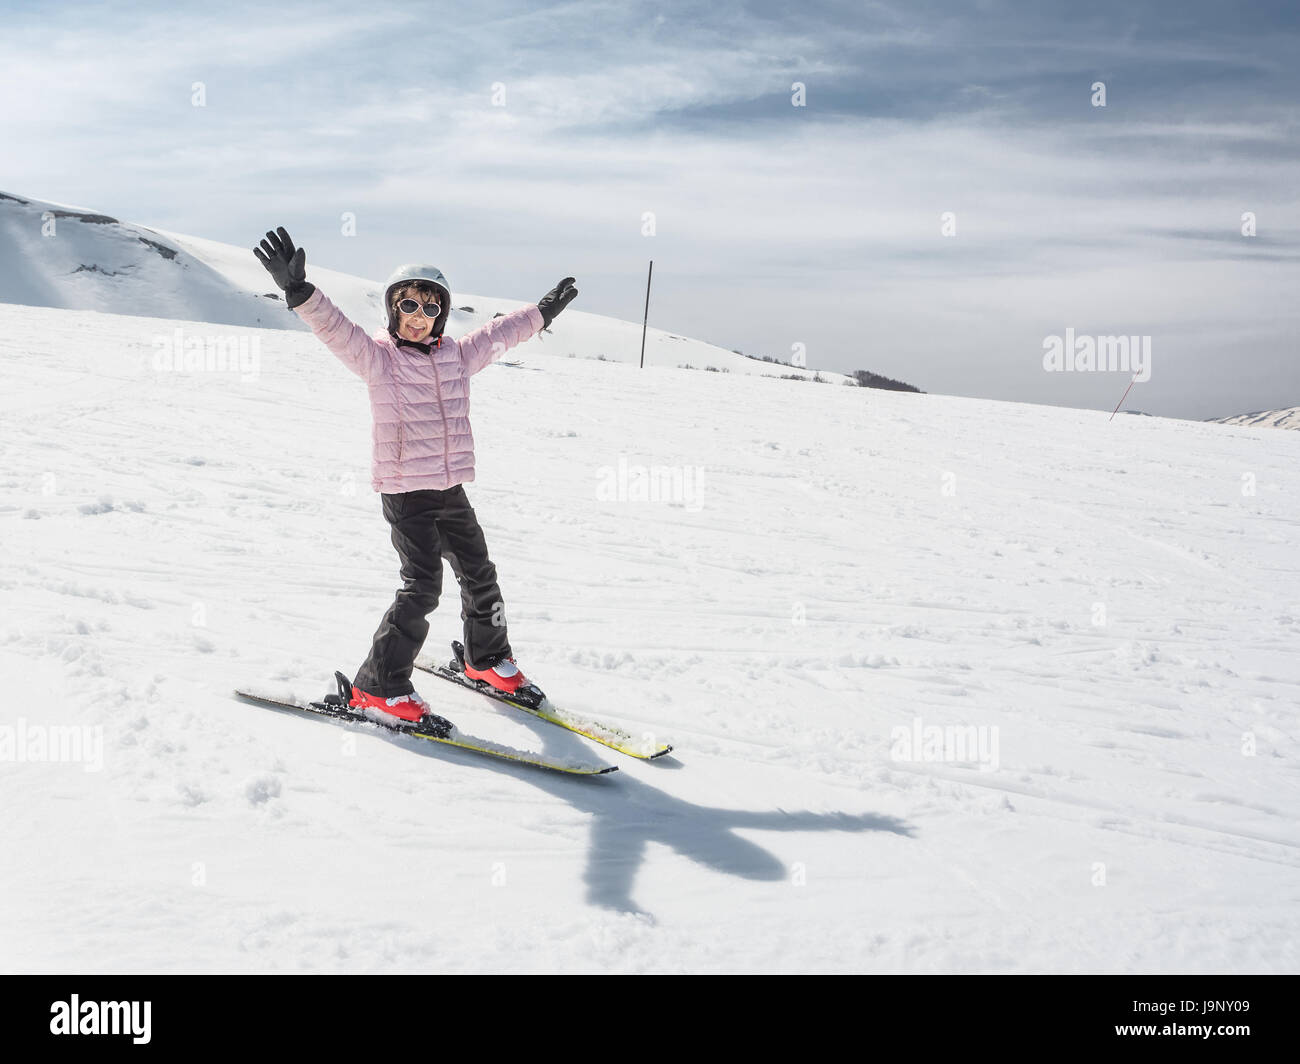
<point x="857" y="560"/>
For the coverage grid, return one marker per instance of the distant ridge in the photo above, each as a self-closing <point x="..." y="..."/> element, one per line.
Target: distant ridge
<point x="1287" y="418"/>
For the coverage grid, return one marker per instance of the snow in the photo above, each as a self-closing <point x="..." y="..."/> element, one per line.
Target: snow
<point x="1280" y="419"/>
<point x="1111" y="607"/>
<point x="89" y="261"/>
<point x="121" y="268"/>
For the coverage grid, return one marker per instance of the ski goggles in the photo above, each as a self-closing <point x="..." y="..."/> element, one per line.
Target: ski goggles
<point x="410" y="306"/>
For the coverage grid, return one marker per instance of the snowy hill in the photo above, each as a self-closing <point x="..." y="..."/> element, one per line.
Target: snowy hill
<point x="52" y="255"/>
<point x="953" y="684"/>
<point x="1278" y="419"/>
<point x="57" y="256"/>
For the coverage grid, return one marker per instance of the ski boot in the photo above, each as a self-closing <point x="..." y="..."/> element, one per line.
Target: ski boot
<point x="409" y="709"/>
<point x="501" y="674"/>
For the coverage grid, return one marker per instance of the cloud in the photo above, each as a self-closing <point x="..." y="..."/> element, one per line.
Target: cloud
<point x="506" y="138"/>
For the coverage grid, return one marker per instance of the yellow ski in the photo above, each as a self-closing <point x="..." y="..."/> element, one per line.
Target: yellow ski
<point x="440" y="732"/>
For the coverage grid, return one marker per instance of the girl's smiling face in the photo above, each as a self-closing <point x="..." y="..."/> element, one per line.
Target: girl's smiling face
<point x="415" y="326"/>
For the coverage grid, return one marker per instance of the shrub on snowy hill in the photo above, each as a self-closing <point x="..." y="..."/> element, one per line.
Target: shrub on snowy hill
<point x="867" y="379"/>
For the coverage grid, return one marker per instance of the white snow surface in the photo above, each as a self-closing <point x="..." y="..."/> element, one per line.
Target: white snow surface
<point x="1113" y="606"/>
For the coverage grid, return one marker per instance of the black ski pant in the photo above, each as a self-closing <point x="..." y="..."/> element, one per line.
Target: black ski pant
<point x="428" y="526"/>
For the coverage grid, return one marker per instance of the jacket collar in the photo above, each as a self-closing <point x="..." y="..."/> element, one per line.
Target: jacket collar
<point x="426" y="348"/>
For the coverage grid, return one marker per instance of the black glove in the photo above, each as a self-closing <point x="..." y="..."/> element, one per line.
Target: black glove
<point x="556" y="300"/>
<point x="287" y="266"/>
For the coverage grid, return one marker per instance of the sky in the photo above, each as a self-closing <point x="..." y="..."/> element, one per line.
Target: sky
<point x="944" y="195"/>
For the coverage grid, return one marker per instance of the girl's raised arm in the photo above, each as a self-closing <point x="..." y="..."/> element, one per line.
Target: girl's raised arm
<point x="489" y="342"/>
<point x="287" y="266"/>
<point x="485" y="345"/>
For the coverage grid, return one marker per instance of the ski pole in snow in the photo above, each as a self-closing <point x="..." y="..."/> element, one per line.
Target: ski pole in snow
<point x="1123" y="397"/>
<point x="647" y="310"/>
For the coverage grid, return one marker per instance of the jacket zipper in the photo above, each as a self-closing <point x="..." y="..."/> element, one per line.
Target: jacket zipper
<point x="442" y="413"/>
<point x="401" y="429"/>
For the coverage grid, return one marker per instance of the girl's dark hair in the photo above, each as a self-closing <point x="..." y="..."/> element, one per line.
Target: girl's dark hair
<point x="425" y="290"/>
<point x="422" y="288"/>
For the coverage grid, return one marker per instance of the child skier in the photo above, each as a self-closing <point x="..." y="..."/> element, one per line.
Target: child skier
<point x="423" y="454"/>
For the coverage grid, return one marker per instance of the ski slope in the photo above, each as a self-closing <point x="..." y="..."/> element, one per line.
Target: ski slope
<point x="1113" y="608"/>
<point x="53" y="255"/>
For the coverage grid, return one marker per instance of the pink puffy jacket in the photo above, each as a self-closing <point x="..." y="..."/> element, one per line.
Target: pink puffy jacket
<point x="420" y="402"/>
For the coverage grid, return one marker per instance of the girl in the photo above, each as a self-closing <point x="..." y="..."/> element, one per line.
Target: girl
<point x="423" y="454"/>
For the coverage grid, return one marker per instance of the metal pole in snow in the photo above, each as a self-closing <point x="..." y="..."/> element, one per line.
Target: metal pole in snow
<point x="1123" y="397"/>
<point x="646" y="319"/>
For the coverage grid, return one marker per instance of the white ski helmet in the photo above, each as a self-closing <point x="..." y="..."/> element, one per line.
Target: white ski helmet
<point x="406" y="275"/>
